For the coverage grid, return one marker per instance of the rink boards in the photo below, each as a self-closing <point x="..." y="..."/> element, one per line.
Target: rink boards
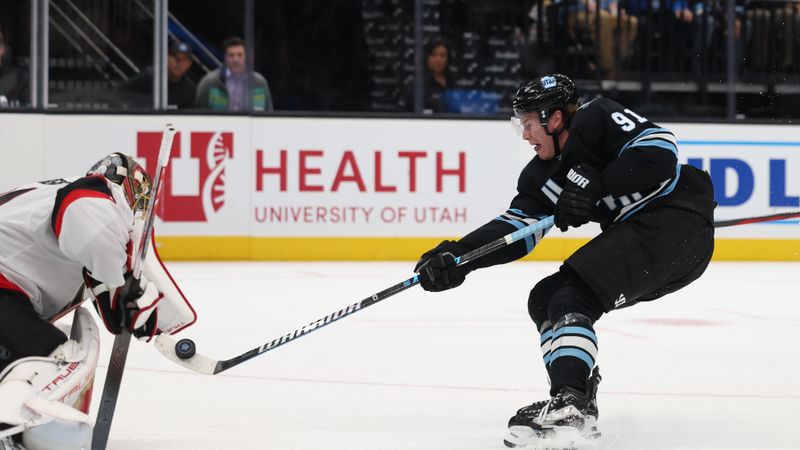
<point x="300" y="188"/>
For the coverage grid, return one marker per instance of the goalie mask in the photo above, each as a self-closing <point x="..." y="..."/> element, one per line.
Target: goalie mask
<point x="126" y="172"/>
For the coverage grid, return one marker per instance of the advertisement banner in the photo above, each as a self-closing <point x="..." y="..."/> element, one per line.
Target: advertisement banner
<point x="356" y="188"/>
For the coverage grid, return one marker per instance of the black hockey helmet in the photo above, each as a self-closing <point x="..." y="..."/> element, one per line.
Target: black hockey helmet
<point x="123" y="170"/>
<point x="543" y="95"/>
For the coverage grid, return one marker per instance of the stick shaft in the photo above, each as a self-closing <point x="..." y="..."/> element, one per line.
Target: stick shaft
<point x="122" y="342"/>
<point x="756" y="219"/>
<point x="202" y="364"/>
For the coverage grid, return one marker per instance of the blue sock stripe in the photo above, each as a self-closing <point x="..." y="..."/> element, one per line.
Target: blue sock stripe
<point x="575" y="353"/>
<point x="546" y="336"/>
<point x="588" y="333"/>
<point x="547" y="358"/>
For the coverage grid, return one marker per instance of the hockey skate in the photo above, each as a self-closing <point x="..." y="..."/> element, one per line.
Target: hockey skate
<point x="568" y="418"/>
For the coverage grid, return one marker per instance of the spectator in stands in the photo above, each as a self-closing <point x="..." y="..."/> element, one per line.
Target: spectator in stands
<point x="696" y="23"/>
<point x="774" y="40"/>
<point x="437" y="78"/>
<point x="180" y="88"/>
<point x="230" y="88"/>
<point x="663" y="35"/>
<point x="14" y="82"/>
<point x="617" y="32"/>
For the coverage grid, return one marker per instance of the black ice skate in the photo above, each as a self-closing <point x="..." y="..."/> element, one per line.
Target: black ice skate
<point x="571" y="414"/>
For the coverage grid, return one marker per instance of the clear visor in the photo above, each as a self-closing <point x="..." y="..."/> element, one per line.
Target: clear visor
<point x="523" y="125"/>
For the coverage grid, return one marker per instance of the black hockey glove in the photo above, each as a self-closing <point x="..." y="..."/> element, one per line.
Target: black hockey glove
<point x="583" y="189"/>
<point x="129" y="306"/>
<point x="437" y="267"/>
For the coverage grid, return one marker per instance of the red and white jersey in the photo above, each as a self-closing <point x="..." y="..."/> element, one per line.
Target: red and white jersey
<point x="50" y="230"/>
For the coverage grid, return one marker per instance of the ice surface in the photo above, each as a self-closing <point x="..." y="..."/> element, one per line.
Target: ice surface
<point x="712" y="366"/>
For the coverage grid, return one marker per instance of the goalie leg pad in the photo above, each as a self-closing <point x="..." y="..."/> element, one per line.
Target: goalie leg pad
<point x="49" y="397"/>
<point x="59" y="435"/>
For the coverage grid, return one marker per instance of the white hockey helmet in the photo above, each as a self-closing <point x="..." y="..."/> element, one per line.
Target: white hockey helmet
<point x="126" y="172"/>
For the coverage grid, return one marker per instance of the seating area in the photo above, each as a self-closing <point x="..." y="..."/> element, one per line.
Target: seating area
<point x="696" y="59"/>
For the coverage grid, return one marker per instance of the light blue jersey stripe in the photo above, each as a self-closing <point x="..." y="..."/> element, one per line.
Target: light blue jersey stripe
<point x="663" y="193"/>
<point x="519" y="212"/>
<point x="644" y="133"/>
<point x="657" y="143"/>
<point x="519" y="225"/>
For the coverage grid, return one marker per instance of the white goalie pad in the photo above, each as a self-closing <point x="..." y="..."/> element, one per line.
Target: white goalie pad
<point x="47" y="398"/>
<point x="175" y="313"/>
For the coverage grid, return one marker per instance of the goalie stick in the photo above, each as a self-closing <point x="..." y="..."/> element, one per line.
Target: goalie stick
<point x="202" y="364"/>
<point x="119" y="352"/>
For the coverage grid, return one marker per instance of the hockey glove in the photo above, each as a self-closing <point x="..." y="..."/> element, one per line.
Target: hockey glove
<point x="437" y="267"/>
<point x="583" y="189"/>
<point x="131" y="306"/>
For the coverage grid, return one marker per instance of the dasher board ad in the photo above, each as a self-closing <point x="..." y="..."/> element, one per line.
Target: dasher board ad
<point x="256" y="178"/>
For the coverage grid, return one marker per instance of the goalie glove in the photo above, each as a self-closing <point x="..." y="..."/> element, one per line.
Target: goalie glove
<point x="131" y="306"/>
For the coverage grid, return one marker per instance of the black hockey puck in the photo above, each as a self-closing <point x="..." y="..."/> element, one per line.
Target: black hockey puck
<point x="185" y="348"/>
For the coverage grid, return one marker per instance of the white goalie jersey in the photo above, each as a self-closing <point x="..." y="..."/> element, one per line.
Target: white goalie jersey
<point x="50" y="231"/>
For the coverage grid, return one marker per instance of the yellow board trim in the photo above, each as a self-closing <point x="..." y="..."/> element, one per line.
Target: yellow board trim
<point x="409" y="249"/>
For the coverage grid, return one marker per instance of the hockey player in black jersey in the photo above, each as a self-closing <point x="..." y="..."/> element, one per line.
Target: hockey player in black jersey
<point x="595" y="162"/>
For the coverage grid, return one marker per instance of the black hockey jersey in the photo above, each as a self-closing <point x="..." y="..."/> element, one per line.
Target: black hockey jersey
<point x="639" y="164"/>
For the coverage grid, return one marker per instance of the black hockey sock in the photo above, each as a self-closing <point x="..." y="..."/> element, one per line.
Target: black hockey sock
<point x="573" y="352"/>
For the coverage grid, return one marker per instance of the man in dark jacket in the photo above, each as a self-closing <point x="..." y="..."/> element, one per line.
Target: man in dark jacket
<point x="180" y="88"/>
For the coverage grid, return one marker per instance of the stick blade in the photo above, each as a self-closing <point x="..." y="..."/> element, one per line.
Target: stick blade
<point x="165" y="344"/>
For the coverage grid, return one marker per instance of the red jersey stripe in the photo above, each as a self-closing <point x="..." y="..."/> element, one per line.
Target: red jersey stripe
<point x="6" y="284"/>
<point x="71" y="197"/>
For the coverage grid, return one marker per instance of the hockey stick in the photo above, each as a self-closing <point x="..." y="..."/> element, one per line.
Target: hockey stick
<point x="119" y="353"/>
<point x="202" y="364"/>
<point x="757" y="219"/>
